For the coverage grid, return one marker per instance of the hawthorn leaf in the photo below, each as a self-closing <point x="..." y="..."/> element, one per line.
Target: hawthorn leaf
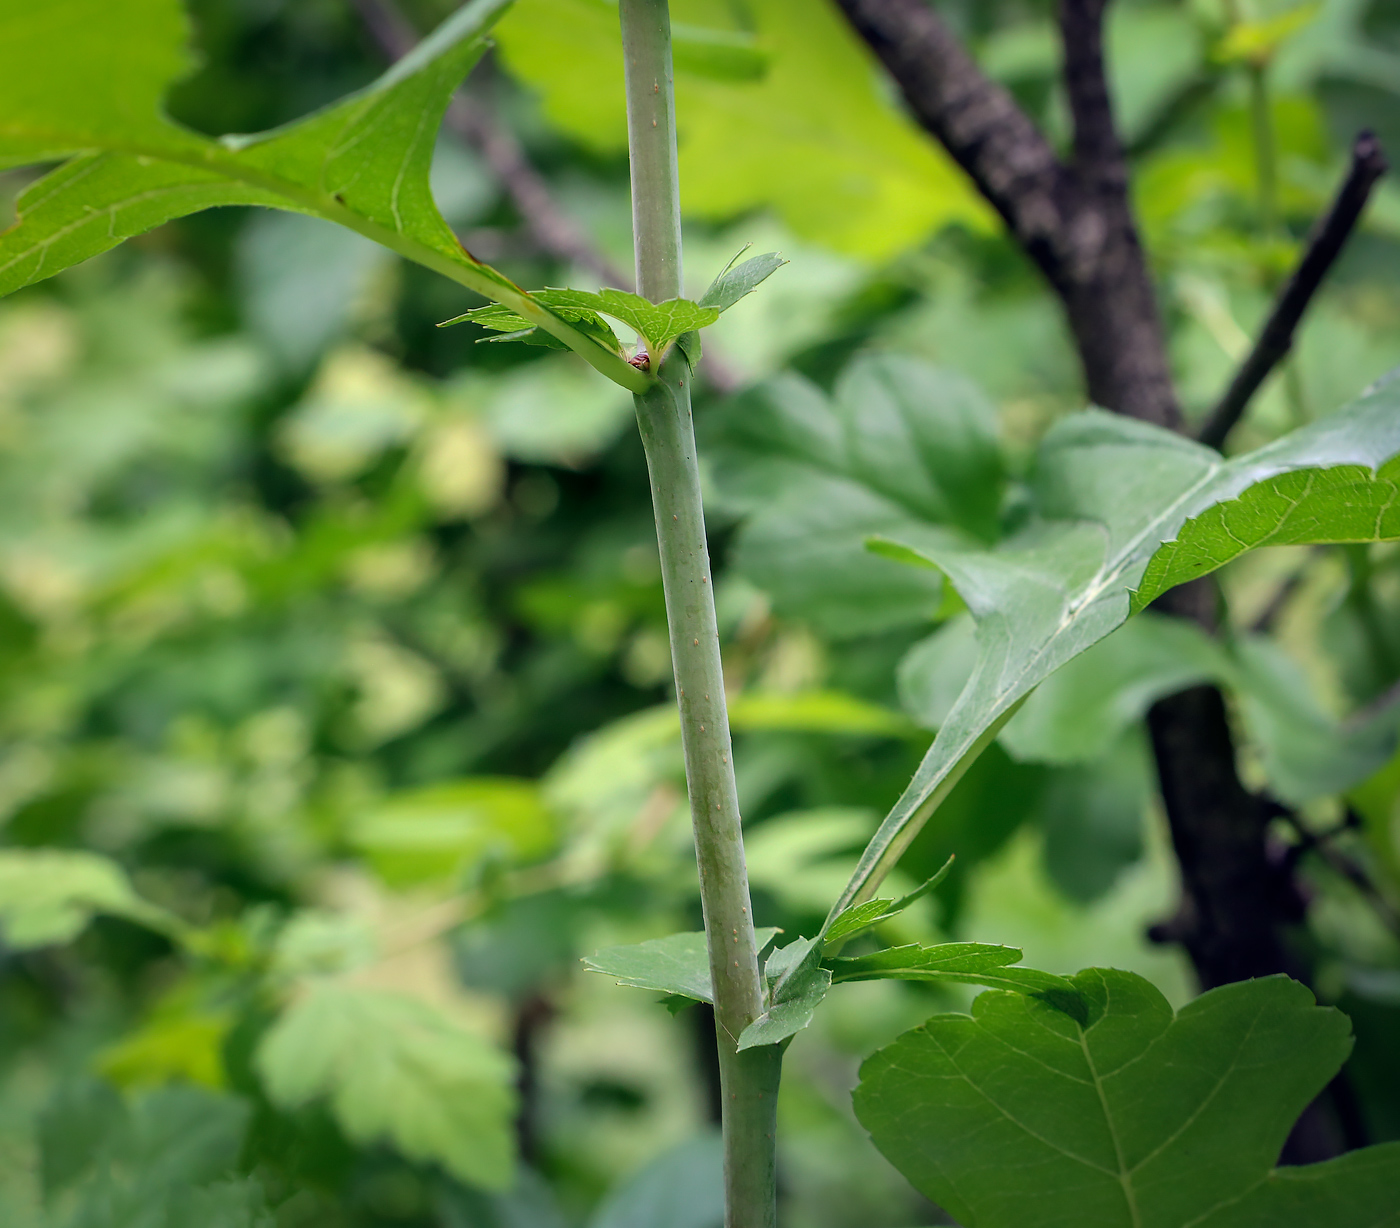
<point x="168" y="1158"/>
<point x="658" y="324"/>
<point x="737" y="280"/>
<point x="678" y="964"/>
<point x="84" y="79"/>
<point x="396" y="1070"/>
<point x="901" y="450"/>
<point x="1021" y="1116"/>
<point x="48" y="896"/>
<point x="1107" y="493"/>
<point x="856" y="920"/>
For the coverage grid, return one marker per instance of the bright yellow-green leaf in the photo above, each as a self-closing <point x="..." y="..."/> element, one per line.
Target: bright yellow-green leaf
<point x="812" y="134"/>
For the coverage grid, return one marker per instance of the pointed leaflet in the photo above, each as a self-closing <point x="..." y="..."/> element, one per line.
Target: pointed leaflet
<point x="85" y="78"/>
<point x="737" y="280"/>
<point x="866" y="916"/>
<point x="1107" y="493"/>
<point x="1022" y="1117"/>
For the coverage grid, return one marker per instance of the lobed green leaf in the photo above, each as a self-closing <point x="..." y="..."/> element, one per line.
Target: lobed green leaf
<point x="1022" y="1116"/>
<point x="396" y="1070"/>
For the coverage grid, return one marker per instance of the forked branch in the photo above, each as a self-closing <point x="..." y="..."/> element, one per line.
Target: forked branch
<point x="1368" y="164"/>
<point x="1073" y="221"/>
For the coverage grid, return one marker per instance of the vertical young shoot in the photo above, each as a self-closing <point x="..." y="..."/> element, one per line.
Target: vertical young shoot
<point x="749" y="1079"/>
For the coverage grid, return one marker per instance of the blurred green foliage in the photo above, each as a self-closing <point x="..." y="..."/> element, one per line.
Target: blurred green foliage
<point x="343" y="637"/>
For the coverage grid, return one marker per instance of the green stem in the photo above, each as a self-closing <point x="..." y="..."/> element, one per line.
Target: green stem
<point x="749" y="1079"/>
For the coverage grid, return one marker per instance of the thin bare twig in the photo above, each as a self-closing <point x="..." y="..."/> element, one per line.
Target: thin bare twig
<point x="1368" y="164"/>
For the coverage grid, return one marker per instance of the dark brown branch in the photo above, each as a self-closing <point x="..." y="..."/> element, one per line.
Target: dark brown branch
<point x="1073" y="222"/>
<point x="1368" y="164"/>
<point x="1098" y="154"/>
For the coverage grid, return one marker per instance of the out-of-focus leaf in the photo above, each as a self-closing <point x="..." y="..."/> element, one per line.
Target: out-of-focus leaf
<point x="1307" y="753"/>
<point x="1377" y="801"/>
<point x="1085" y="707"/>
<point x="1127" y="1117"/>
<point x="682" y="1188"/>
<point x="1152" y="52"/>
<point x="300" y="279"/>
<point x="933" y="673"/>
<point x="811" y="135"/>
<point x="436" y="832"/>
<point x="48" y="896"/>
<point x="815" y="712"/>
<point x="677" y="964"/>
<point x="167" y="1159"/>
<point x="1256" y="42"/>
<point x="902" y="450"/>
<point x="1092" y="815"/>
<point x="399" y="1071"/>
<point x="519" y="944"/>
<point x="174" y="1046"/>
<point x="363" y="162"/>
<point x="1109" y="493"/>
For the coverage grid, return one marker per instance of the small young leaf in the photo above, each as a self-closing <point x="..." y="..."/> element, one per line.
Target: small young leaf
<point x="735" y="282"/>
<point x="681" y="1188"/>
<point x="791" y="1012"/>
<point x="396" y="1070"/>
<point x="689" y="345"/>
<point x="677" y="964"/>
<point x="1129" y="1116"/>
<point x="862" y="917"/>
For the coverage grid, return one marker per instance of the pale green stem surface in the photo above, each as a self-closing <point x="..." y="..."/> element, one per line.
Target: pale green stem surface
<point x="749" y="1079"/>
